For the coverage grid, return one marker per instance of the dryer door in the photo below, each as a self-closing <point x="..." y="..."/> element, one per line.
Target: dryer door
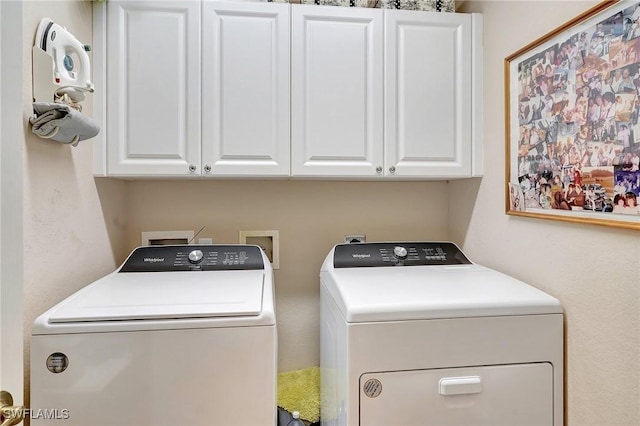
<point x="509" y="395"/>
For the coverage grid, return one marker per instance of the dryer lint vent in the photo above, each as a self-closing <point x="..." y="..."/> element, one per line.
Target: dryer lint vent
<point x="372" y="388"/>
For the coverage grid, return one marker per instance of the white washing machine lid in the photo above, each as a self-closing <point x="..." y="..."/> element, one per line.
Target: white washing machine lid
<point x="164" y="295"/>
<point x="432" y="292"/>
<point x="428" y="281"/>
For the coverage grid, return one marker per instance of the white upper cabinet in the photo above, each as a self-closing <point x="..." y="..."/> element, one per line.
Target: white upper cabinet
<point x="165" y="119"/>
<point x="382" y="93"/>
<point x="245" y="89"/>
<point x="256" y="89"/>
<point x="153" y="80"/>
<point x="428" y="96"/>
<point x="337" y="89"/>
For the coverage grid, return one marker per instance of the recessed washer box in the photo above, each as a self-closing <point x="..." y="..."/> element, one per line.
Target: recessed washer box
<point x="165" y="238"/>
<point x="269" y="241"/>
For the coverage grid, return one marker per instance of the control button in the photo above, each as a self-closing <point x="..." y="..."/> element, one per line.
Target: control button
<point x="195" y="256"/>
<point x="400" y="252"/>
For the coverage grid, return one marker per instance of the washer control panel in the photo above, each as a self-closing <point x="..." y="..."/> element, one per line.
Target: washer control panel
<point x="194" y="258"/>
<point x="397" y="254"/>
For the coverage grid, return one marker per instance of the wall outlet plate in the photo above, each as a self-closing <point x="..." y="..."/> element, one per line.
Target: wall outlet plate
<point x="355" y="238"/>
<point x="269" y="241"/>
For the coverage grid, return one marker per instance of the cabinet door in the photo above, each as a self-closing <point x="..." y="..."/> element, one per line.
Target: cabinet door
<point x="153" y="75"/>
<point x="427" y="94"/>
<point x="246" y="105"/>
<point x="337" y="88"/>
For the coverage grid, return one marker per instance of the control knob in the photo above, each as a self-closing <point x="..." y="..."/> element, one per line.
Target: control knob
<point x="195" y="256"/>
<point x="400" y="252"/>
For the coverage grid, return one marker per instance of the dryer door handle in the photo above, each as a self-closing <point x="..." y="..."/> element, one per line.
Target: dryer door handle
<point x="460" y="385"/>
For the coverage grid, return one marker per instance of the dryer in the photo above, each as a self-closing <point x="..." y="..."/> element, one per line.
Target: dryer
<point x="178" y="335"/>
<point x="413" y="333"/>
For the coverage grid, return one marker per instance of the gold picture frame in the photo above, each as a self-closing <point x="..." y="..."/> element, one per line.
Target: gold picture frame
<point x="572" y="120"/>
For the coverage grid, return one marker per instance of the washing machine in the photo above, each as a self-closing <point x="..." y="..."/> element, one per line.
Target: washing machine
<point x="413" y="333"/>
<point x="178" y="335"/>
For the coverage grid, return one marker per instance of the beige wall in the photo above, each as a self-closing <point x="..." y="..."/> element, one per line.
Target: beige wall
<point x="594" y="271"/>
<point x="77" y="229"/>
<point x="311" y="217"/>
<point x="73" y="226"/>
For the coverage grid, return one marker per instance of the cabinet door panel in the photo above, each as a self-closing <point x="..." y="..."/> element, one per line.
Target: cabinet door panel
<point x="246" y="105"/>
<point x="428" y="94"/>
<point x="153" y="101"/>
<point x="337" y="91"/>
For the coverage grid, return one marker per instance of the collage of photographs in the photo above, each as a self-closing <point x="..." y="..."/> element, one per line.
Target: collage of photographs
<point x="578" y="118"/>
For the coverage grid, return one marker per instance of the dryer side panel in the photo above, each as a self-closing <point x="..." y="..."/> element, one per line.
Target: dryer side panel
<point x="333" y="362"/>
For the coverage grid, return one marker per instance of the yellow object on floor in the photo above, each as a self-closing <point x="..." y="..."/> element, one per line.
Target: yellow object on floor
<point x="299" y="391"/>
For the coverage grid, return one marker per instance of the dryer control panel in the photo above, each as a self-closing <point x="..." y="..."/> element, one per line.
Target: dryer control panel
<point x="194" y="258"/>
<point x="397" y="254"/>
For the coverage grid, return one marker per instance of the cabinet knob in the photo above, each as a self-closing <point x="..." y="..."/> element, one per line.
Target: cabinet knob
<point x="392" y="169"/>
<point x="192" y="168"/>
<point x="379" y="169"/>
<point x="207" y="168"/>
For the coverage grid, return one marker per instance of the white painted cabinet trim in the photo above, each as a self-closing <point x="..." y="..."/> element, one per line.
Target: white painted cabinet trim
<point x="99" y="66"/>
<point x="294" y="166"/>
<point x="477" y="118"/>
<point x="427" y="94"/>
<point x="133" y="135"/>
<point x="349" y="158"/>
<point x="245" y="104"/>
